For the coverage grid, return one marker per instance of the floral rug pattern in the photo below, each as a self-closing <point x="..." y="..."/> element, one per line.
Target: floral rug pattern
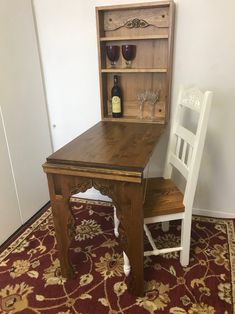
<point x="31" y="282"/>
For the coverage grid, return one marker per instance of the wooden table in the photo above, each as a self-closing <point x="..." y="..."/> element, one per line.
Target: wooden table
<point x="111" y="157"/>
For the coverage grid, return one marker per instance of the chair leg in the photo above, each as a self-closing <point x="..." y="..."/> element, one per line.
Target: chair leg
<point x="116" y="222"/>
<point x="185" y="241"/>
<point x="165" y="226"/>
<point x="126" y="267"/>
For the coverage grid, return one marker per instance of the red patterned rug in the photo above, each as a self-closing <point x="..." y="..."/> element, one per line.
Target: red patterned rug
<point x="30" y="280"/>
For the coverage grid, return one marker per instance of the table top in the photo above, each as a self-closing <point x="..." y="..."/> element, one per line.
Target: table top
<point x="113" y="145"/>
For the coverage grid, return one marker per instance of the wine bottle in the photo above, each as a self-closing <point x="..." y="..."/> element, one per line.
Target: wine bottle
<point x="116" y="99"/>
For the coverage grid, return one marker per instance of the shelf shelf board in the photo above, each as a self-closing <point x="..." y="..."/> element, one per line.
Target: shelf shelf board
<point x="142" y="70"/>
<point x="132" y="119"/>
<point x="145" y="37"/>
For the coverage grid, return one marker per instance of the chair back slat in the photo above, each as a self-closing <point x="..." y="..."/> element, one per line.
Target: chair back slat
<point x="179" y="165"/>
<point x="185" y="140"/>
<point x="185" y="134"/>
<point x="178" y="146"/>
<point x="183" y="156"/>
<point x="190" y="152"/>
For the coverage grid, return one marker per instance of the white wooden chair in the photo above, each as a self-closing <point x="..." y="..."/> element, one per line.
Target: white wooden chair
<point x="164" y="201"/>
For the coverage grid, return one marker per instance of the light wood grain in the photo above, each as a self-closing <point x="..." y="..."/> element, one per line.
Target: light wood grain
<point x="139" y="70"/>
<point x="135" y="5"/>
<point x="143" y="37"/>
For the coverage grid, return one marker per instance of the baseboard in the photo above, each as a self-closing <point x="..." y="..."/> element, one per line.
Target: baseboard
<point x="96" y="195"/>
<point x="213" y="213"/>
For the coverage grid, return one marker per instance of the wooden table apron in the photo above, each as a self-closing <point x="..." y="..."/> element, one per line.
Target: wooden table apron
<point x="123" y="184"/>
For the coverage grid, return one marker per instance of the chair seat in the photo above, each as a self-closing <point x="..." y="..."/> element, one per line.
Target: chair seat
<point x="162" y="198"/>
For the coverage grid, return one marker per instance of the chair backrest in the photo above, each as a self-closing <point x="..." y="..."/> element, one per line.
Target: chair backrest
<point x="185" y="147"/>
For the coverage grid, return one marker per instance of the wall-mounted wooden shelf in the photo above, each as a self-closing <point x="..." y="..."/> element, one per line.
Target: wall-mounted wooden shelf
<point x="149" y="26"/>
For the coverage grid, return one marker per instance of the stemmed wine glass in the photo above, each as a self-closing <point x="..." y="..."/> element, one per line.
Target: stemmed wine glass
<point x="128" y="53"/>
<point x="142" y="97"/>
<point x="153" y="98"/>
<point x="113" y="53"/>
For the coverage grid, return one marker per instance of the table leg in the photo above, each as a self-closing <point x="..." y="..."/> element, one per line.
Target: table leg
<point x="62" y="222"/>
<point x="64" y="225"/>
<point x="131" y="233"/>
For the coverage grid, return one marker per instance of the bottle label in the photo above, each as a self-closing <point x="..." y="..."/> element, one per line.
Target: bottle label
<point x="116" y="104"/>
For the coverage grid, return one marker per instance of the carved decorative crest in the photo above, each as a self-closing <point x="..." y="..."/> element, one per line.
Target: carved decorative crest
<point x="135" y="23"/>
<point x="192" y="98"/>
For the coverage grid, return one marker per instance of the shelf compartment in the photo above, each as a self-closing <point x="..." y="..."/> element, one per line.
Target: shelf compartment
<point x="121" y="22"/>
<point x="150" y="54"/>
<point x="130" y="89"/>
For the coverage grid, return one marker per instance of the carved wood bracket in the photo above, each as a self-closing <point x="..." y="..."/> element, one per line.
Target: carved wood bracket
<point x="113" y="189"/>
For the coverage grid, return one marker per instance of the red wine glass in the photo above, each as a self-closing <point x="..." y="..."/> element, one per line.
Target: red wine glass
<point x="129" y="53"/>
<point x="113" y="53"/>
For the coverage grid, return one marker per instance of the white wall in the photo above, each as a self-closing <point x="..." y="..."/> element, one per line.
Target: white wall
<point x="9" y="208"/>
<point x="24" y="129"/>
<point x="203" y="55"/>
<point x="67" y="34"/>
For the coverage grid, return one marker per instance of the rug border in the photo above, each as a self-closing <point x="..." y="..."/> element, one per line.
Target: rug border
<point x="15" y="243"/>
<point x="230" y="226"/>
